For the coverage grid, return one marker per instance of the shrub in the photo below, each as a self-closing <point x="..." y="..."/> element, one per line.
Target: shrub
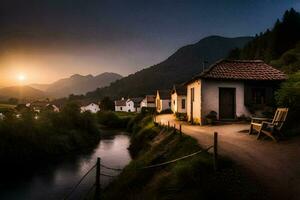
<point x="289" y="96"/>
<point x="211" y="117"/>
<point x="181" y="116"/>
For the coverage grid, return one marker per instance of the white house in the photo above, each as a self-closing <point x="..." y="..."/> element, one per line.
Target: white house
<point x="52" y="107"/>
<point x="136" y="104"/>
<point x="1" y="116"/>
<point x="178" y="99"/>
<point x="92" y="107"/>
<point x="148" y="101"/>
<point x="163" y="100"/>
<point x="232" y="88"/>
<point x="120" y="105"/>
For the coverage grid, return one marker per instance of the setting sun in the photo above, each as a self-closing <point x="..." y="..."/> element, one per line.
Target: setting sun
<point x="21" y="77"/>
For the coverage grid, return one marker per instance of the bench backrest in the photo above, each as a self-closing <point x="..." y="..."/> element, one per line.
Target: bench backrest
<point x="280" y="117"/>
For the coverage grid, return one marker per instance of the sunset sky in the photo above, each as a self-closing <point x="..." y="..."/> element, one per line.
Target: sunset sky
<point x="44" y="40"/>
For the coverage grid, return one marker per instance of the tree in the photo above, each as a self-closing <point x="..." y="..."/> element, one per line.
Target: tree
<point x="106" y="104"/>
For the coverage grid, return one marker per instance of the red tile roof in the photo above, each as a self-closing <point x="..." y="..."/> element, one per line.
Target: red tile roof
<point x="120" y="103"/>
<point x="242" y="70"/>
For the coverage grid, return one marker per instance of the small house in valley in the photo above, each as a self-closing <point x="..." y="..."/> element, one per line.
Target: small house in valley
<point x="136" y="103"/>
<point x="148" y="101"/>
<point x="120" y="105"/>
<point x="231" y="88"/>
<point x="163" y="100"/>
<point x="91" y="107"/>
<point x="178" y="99"/>
<point x="128" y="105"/>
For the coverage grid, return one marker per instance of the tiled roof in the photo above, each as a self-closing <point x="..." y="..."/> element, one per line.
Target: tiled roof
<point x="242" y="70"/>
<point x="179" y="89"/>
<point x="120" y="103"/>
<point x="150" y="98"/>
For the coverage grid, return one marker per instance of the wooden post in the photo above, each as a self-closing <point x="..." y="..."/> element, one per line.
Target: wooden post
<point x="97" y="184"/>
<point x="216" y="151"/>
<point x="180" y="129"/>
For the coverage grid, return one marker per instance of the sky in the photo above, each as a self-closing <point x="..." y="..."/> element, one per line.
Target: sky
<point x="45" y="40"/>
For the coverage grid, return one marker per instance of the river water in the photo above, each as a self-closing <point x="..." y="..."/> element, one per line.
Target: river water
<point x="55" y="181"/>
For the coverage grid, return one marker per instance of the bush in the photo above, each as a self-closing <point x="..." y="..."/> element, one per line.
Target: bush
<point x="181" y="116"/>
<point x="289" y="96"/>
<point x="52" y="135"/>
<point x="211" y="117"/>
<point x="112" y="120"/>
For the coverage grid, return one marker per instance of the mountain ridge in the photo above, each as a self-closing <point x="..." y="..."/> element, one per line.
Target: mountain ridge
<point x="177" y="68"/>
<point x="77" y="84"/>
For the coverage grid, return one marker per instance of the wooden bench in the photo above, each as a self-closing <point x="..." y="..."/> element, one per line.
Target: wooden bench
<point x="269" y="127"/>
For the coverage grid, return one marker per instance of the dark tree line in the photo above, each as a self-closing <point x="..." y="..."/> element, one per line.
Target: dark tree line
<point x="274" y="44"/>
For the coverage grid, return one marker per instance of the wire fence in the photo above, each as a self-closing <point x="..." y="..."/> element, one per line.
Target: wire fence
<point x="97" y="167"/>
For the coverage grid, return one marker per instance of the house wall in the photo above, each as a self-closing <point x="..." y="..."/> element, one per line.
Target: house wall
<point x="197" y="101"/>
<point x="93" y="108"/>
<point x="165" y="104"/>
<point x="144" y="103"/>
<point x="174" y="102"/>
<point x="179" y="104"/>
<point x="210" y="96"/>
<point x="120" y="108"/>
<point x="130" y="106"/>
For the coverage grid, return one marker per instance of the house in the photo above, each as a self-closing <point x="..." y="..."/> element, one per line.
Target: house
<point x="1" y="116"/>
<point x="148" y="101"/>
<point x="91" y="107"/>
<point x="232" y="88"/>
<point x="163" y="100"/>
<point x="52" y="107"/>
<point x="120" y="105"/>
<point x="178" y="99"/>
<point x="136" y="104"/>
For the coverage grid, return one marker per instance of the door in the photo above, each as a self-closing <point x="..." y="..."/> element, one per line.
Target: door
<point x="227" y="103"/>
<point x="192" y="104"/>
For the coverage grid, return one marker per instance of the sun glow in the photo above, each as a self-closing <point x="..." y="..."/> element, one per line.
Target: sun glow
<point x="21" y="77"/>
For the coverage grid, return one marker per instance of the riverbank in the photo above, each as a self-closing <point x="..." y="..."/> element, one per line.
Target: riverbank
<point x="192" y="178"/>
<point x="49" y="137"/>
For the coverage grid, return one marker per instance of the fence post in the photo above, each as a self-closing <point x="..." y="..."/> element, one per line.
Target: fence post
<point x="180" y="129"/>
<point x="98" y="186"/>
<point x="216" y="151"/>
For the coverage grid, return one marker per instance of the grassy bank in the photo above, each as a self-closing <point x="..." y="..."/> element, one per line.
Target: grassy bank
<point x="192" y="178"/>
<point x="50" y="136"/>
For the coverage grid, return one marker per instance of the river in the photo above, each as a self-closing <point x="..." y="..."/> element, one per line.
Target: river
<point x="55" y="181"/>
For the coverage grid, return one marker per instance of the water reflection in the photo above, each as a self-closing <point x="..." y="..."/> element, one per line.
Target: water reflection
<point x="53" y="181"/>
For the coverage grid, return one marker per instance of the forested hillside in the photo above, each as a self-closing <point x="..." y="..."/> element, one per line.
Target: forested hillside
<point x="279" y="46"/>
<point x="179" y="67"/>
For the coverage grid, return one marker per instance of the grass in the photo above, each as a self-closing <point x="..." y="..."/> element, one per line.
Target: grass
<point x="3" y="105"/>
<point x="192" y="178"/>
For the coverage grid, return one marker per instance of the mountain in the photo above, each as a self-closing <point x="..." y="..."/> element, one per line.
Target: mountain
<point x="42" y="87"/>
<point x="185" y="63"/>
<point x="279" y="46"/>
<point x="21" y="92"/>
<point x="77" y="84"/>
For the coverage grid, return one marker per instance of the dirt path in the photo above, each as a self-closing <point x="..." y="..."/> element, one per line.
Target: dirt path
<point x="276" y="165"/>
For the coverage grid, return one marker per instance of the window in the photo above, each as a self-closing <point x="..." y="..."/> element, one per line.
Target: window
<point x="183" y="103"/>
<point x="121" y="108"/>
<point x="258" y="95"/>
<point x="192" y="94"/>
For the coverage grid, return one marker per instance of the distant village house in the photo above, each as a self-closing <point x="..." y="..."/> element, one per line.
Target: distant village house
<point x="148" y="101"/>
<point x="231" y="88"/>
<point x="178" y="99"/>
<point x="163" y="100"/>
<point x="91" y="107"/>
